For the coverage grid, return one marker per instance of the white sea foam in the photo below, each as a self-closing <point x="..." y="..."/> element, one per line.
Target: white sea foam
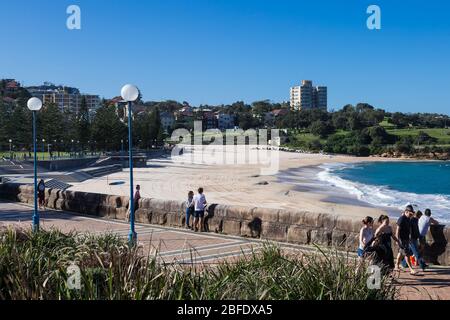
<point x="385" y="196"/>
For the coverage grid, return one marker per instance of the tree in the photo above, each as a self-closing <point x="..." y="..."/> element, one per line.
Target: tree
<point x="107" y="129"/>
<point x="321" y="128"/>
<point x="5" y="117"/>
<point x="405" y="145"/>
<point x="51" y="123"/>
<point x="83" y="124"/>
<point x="424" y="138"/>
<point x="20" y="126"/>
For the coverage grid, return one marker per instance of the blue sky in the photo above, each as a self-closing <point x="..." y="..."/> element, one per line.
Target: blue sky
<point x="221" y="51"/>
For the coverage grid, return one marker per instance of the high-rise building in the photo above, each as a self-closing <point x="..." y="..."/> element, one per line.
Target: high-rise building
<point x="307" y="96"/>
<point x="64" y="97"/>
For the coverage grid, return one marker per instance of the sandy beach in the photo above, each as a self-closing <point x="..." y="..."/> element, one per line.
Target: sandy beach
<point x="294" y="186"/>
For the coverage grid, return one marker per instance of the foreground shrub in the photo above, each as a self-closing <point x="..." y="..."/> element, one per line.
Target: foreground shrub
<point x="34" y="266"/>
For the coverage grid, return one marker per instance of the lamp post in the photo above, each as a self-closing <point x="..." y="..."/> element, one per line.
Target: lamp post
<point x="121" y="150"/>
<point x="130" y="93"/>
<point x="10" y="148"/>
<point x="43" y="149"/>
<point x="34" y="104"/>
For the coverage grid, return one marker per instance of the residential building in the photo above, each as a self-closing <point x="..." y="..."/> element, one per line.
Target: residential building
<point x="207" y="116"/>
<point x="307" y="96"/>
<point x="271" y="116"/>
<point x="225" y="121"/>
<point x="167" y="121"/>
<point x="64" y="97"/>
<point x="9" y="87"/>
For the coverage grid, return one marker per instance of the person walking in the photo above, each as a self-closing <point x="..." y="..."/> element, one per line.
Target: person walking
<point x="403" y="234"/>
<point x="199" y="207"/>
<point x="382" y="244"/>
<point x="415" y="235"/>
<point x="41" y="194"/>
<point x="366" y="235"/>
<point x="189" y="209"/>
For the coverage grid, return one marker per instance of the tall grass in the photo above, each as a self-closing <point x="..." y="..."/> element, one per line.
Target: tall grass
<point x="34" y="266"/>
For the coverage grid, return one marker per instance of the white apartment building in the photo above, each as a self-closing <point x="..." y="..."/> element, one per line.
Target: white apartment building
<point x="307" y="96"/>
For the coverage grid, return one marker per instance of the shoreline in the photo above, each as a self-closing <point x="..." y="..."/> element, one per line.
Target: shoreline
<point x="165" y="178"/>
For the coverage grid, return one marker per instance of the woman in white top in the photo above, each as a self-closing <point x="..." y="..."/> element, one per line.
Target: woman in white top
<point x="366" y="235"/>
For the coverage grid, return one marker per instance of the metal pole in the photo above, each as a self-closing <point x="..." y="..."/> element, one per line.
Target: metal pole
<point x="132" y="236"/>
<point x="35" y="213"/>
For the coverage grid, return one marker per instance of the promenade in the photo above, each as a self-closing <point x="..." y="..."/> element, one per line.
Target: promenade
<point x="185" y="246"/>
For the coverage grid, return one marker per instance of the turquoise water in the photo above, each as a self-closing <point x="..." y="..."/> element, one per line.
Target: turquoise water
<point x="395" y="184"/>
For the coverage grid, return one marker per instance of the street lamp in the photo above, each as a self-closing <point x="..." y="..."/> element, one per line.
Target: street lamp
<point x="10" y="148"/>
<point x="34" y="104"/>
<point x="43" y="149"/>
<point x="130" y="93"/>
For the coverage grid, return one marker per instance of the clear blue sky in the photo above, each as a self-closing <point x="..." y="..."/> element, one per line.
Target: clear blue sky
<point x="220" y="51"/>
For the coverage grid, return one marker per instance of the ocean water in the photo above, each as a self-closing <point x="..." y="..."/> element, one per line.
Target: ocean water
<point x="395" y="184"/>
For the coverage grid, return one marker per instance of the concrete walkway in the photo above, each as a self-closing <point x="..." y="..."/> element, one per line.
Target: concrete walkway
<point x="185" y="246"/>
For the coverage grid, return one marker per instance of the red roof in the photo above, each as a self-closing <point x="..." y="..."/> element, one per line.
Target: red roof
<point x="12" y="84"/>
<point x="280" y="112"/>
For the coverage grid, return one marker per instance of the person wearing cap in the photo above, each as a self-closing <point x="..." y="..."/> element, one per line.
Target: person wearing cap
<point x="403" y="234"/>
<point x="414" y="242"/>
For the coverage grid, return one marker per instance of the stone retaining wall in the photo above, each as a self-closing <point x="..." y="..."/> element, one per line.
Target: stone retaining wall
<point x="294" y="226"/>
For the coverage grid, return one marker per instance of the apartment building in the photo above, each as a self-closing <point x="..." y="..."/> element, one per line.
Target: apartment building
<point x="225" y="121"/>
<point x="64" y="97"/>
<point x="306" y="96"/>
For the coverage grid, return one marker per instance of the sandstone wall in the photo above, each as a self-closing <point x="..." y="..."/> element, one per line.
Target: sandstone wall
<point x="294" y="226"/>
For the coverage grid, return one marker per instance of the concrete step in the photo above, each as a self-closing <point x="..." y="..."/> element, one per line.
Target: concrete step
<point x="56" y="184"/>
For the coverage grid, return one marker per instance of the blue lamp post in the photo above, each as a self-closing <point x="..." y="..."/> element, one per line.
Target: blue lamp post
<point x="130" y="93"/>
<point x="34" y="104"/>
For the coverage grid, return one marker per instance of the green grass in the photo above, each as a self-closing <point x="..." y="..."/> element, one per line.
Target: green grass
<point x="40" y="155"/>
<point x="385" y="124"/>
<point x="443" y="135"/>
<point x="34" y="266"/>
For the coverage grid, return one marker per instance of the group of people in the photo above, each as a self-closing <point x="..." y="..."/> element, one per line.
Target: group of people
<point x="195" y="207"/>
<point x="412" y="228"/>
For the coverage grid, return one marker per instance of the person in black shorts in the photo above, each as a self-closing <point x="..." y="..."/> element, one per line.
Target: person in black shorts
<point x="403" y="235"/>
<point x="41" y="194"/>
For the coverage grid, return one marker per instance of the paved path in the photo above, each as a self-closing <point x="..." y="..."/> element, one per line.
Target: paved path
<point x="172" y="244"/>
<point x="185" y="246"/>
